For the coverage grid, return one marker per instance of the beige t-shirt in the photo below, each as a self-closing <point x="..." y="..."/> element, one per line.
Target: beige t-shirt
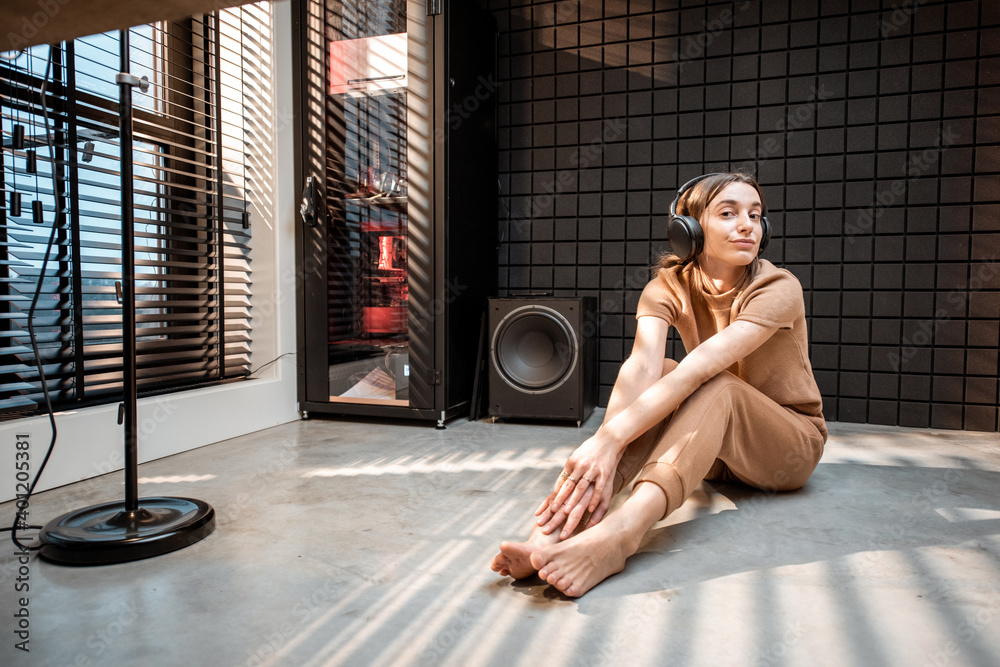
<point x="780" y="368"/>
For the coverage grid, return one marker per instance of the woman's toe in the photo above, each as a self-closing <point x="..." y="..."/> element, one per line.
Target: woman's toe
<point x="539" y="561"/>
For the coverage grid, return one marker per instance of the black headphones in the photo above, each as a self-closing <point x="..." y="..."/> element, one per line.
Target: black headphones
<point x="684" y="231"/>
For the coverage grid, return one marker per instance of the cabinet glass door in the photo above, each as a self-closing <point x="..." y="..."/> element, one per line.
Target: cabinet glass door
<point x="366" y="200"/>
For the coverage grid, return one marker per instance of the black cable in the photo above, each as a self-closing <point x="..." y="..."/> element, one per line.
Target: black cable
<point x="19" y="514"/>
<point x="506" y="224"/>
<point x="250" y="374"/>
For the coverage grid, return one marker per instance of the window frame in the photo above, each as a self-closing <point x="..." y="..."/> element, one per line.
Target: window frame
<point x="195" y="246"/>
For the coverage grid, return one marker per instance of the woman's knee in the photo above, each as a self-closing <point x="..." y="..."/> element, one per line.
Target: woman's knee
<point x="798" y="466"/>
<point x="791" y="471"/>
<point x="718" y="388"/>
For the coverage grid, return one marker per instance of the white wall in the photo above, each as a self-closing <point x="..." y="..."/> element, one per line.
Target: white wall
<point x="90" y="440"/>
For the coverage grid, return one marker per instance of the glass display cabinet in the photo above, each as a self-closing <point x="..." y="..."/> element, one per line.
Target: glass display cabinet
<point x="398" y="227"/>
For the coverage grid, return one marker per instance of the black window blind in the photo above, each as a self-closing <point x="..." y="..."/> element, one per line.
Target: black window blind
<point x="190" y="206"/>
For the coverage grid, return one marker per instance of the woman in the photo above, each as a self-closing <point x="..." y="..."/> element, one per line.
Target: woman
<point x="742" y="406"/>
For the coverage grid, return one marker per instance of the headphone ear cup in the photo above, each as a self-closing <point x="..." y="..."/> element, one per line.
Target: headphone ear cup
<point x="697" y="235"/>
<point x="685" y="236"/>
<point x="765" y="235"/>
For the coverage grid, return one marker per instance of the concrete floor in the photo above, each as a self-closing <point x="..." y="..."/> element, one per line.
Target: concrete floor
<point x="346" y="542"/>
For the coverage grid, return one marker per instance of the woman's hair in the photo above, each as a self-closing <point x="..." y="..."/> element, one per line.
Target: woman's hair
<point x="694" y="202"/>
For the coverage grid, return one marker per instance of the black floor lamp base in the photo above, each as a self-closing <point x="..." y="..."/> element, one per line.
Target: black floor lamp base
<point x="105" y="534"/>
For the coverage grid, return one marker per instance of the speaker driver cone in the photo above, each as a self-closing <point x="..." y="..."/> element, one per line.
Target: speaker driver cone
<point x="534" y="349"/>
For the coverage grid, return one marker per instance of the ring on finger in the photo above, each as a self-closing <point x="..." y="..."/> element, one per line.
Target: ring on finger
<point x="564" y="475"/>
<point x="571" y="480"/>
<point x="588" y="481"/>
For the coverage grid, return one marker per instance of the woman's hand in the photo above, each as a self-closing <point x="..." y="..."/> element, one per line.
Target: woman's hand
<point x="585" y="484"/>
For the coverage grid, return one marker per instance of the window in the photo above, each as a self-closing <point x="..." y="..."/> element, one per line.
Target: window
<point x="191" y="226"/>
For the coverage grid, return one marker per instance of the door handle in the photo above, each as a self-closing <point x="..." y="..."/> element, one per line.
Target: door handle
<point x="308" y="207"/>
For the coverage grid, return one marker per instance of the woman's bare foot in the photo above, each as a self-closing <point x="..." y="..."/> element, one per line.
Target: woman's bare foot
<point x="583" y="561"/>
<point x="514" y="559"/>
<point x="577" y="564"/>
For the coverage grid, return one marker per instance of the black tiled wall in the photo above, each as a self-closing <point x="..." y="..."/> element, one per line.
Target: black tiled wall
<point x="873" y="128"/>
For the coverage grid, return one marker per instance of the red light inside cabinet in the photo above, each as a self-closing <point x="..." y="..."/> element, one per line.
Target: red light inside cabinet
<point x="387" y="253"/>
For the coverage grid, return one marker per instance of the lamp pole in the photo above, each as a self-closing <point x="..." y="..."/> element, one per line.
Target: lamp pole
<point x="117" y="532"/>
<point x="129" y="408"/>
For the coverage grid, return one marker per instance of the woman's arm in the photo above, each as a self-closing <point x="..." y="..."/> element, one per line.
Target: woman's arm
<point x="591" y="460"/>
<point x="643" y="367"/>
<point x="704" y="362"/>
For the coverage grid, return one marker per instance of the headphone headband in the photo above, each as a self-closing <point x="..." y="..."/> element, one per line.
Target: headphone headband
<point x="687" y="186"/>
<point x="690" y="184"/>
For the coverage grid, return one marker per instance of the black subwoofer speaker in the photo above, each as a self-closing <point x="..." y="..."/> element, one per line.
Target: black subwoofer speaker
<point x="543" y="357"/>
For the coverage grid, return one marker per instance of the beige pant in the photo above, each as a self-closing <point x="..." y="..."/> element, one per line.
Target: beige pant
<point x="726" y="430"/>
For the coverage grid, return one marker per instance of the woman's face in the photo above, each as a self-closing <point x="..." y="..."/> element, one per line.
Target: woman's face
<point x="731" y="224"/>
